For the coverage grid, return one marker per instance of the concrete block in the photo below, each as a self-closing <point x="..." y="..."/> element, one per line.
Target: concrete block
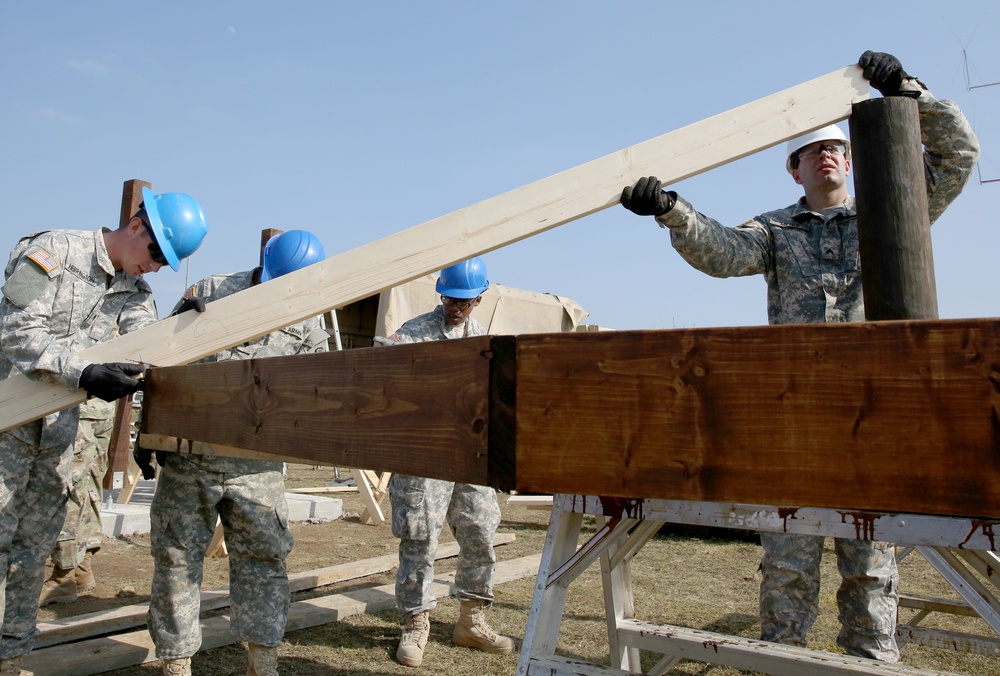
<point x="118" y="520"/>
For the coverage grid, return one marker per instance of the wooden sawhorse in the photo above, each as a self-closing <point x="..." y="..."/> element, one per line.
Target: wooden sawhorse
<point x="630" y="524"/>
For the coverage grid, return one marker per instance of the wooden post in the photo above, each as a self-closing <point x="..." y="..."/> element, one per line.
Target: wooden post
<point x="265" y="235"/>
<point x="118" y="447"/>
<point x="893" y="218"/>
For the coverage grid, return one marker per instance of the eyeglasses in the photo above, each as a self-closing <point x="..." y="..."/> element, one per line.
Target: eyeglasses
<point x="460" y="304"/>
<point x="154" y="249"/>
<point x="830" y="148"/>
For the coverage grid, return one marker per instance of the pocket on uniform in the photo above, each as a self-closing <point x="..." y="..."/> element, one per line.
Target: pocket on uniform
<point x="409" y="515"/>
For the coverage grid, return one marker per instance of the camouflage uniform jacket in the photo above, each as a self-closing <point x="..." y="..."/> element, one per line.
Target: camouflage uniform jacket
<point x="63" y="295"/>
<point x="811" y="261"/>
<point x="431" y="326"/>
<point x="302" y="338"/>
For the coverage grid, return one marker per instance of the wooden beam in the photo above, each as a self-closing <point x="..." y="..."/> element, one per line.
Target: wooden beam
<point x="878" y="416"/>
<point x="894" y="227"/>
<point x="118" y="445"/>
<point x="474" y="230"/>
<point x="400" y="405"/>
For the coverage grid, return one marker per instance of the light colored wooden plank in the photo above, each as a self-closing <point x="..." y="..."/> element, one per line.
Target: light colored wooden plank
<point x="754" y="655"/>
<point x="482" y="227"/>
<point x="77" y="627"/>
<point x="124" y="650"/>
<point x="163" y="442"/>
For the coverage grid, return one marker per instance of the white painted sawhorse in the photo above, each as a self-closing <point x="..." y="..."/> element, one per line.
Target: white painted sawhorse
<point x="629" y="524"/>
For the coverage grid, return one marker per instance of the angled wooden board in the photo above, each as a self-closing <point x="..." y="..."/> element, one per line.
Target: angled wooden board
<point x="474" y="230"/>
<point x="881" y="416"/>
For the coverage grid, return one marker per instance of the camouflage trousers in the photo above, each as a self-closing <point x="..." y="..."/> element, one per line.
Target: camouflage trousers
<point x="254" y="514"/>
<point x="82" y="532"/>
<point x="419" y="510"/>
<point x="867" y="598"/>
<point x="34" y="485"/>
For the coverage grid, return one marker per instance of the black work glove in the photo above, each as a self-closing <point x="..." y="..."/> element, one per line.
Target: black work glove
<point x="190" y="303"/>
<point x="144" y="458"/>
<point x="647" y="197"/>
<point x="885" y="73"/>
<point x="111" y="381"/>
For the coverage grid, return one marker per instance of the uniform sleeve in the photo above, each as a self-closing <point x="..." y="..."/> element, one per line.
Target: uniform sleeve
<point x="139" y="310"/>
<point x="26" y="335"/>
<point x="951" y="148"/>
<point x="316" y="338"/>
<point x="709" y="246"/>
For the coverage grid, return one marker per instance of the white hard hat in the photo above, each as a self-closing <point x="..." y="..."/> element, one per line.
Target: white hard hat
<point x="829" y="133"/>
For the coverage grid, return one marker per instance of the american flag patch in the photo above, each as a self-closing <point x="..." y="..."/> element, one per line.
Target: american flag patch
<point x="44" y="260"/>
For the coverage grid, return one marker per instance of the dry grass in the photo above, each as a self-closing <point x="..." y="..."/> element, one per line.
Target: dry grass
<point x="705" y="584"/>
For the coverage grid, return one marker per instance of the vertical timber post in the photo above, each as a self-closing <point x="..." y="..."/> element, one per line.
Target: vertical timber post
<point x="118" y="445"/>
<point x="893" y="218"/>
<point x="265" y="235"/>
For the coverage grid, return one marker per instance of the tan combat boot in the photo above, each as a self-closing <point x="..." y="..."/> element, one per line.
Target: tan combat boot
<point x="180" y="666"/>
<point x="416" y="629"/>
<point x="472" y="631"/>
<point x="263" y="660"/>
<point x="85" y="581"/>
<point x="11" y="666"/>
<point x="59" y="588"/>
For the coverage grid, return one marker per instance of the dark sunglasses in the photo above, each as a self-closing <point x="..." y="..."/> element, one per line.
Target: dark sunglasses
<point x="154" y="249"/>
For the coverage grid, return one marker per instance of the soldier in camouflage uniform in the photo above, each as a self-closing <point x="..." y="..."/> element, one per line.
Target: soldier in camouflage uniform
<point x="193" y="492"/>
<point x="808" y="253"/>
<point x="420" y="506"/>
<point x="82" y="535"/>
<point x="65" y="291"/>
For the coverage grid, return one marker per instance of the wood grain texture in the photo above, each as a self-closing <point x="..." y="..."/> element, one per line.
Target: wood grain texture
<point x="414" y="409"/>
<point x="894" y="228"/>
<point x="895" y="417"/>
<point x="887" y="416"/>
<point x="482" y="227"/>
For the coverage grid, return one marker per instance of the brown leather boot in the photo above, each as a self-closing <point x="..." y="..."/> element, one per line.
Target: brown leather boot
<point x="85" y="581"/>
<point x="60" y="587"/>
<point x="416" y="629"/>
<point x="472" y="630"/>
<point x="11" y="666"/>
<point x="263" y="660"/>
<point x="180" y="666"/>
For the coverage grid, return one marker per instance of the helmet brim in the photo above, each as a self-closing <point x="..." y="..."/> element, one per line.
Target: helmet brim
<point x="155" y="222"/>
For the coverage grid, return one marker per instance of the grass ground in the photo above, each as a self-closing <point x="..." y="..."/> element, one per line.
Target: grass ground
<point x="678" y="579"/>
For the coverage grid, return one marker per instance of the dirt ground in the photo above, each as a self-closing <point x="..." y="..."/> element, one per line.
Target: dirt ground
<point x="689" y="581"/>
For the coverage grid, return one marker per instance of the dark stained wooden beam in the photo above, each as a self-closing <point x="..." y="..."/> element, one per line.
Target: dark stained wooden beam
<point x="888" y="416"/>
<point x="413" y="409"/>
<point x="893" y="219"/>
<point x="118" y="445"/>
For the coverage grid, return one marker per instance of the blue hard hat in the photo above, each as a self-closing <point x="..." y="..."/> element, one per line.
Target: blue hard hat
<point x="178" y="222"/>
<point x="290" y="251"/>
<point x="463" y="280"/>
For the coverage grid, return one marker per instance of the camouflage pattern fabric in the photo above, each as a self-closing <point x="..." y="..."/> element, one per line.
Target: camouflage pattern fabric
<point x="193" y="492"/>
<point x="811" y="263"/>
<point x="421" y="506"/>
<point x="81" y="531"/>
<point x="61" y="295"/>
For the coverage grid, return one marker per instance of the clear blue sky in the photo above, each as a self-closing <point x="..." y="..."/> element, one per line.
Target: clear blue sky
<point x="357" y="120"/>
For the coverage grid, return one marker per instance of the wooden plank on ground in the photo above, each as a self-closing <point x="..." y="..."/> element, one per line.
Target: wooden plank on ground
<point x="482" y="227"/>
<point x="400" y="405"/>
<point x="99" y="655"/>
<point x="880" y="416"/>
<point x="77" y="627"/>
